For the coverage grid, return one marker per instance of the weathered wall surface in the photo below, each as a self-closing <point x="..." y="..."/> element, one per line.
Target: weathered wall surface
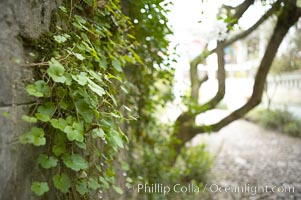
<point x="26" y="19"/>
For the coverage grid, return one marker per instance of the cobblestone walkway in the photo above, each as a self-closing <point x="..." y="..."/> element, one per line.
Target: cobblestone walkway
<point x="249" y="156"/>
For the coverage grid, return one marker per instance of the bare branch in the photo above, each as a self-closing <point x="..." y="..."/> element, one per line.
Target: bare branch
<point x="221" y="77"/>
<point x="254" y="26"/>
<point x="241" y="9"/>
<point x="194" y="78"/>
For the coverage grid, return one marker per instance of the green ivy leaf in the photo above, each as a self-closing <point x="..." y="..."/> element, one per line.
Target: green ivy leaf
<point x="124" y="89"/>
<point x="59" y="149"/>
<point x="89" y="2"/>
<point x="96" y="88"/>
<point x="61" y="38"/>
<point x="103" y="63"/>
<point x="29" y="119"/>
<point x="118" y="189"/>
<point x="79" y="19"/>
<point x="105" y="123"/>
<point x="111" y="76"/>
<point x="70" y="119"/>
<point x="62" y="182"/>
<point x="42" y="117"/>
<point x="68" y="79"/>
<point x="85" y="37"/>
<point x="35" y="137"/>
<point x="59" y="123"/>
<point x="117" y="139"/>
<point x="45" y="112"/>
<point x="79" y="56"/>
<point x="117" y="65"/>
<point x="78" y="26"/>
<point x="81" y="145"/>
<point x="98" y="132"/>
<point x="64" y="104"/>
<point x="81" y="187"/>
<point x="84" y="110"/>
<point x="114" y="115"/>
<point x="93" y="184"/>
<point x="82" y="92"/>
<point x="127" y="108"/>
<point x="32" y="90"/>
<point x="95" y="75"/>
<point x="125" y="166"/>
<point x="82" y="78"/>
<point x="61" y="91"/>
<point x="113" y="99"/>
<point x="63" y="8"/>
<point x="56" y="71"/>
<point x="48" y="108"/>
<point x="75" y="162"/>
<point x="47" y="162"/>
<point x="39" y="188"/>
<point x="39" y="89"/>
<point x="123" y="136"/>
<point x="104" y="182"/>
<point x="75" y="132"/>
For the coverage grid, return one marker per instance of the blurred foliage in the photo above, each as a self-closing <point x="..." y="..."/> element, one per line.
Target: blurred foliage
<point x="279" y="120"/>
<point x="195" y="163"/>
<point x="151" y="152"/>
<point x="152" y="165"/>
<point x="153" y="78"/>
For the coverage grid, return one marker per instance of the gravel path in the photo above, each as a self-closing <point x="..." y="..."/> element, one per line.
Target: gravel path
<point x="249" y="156"/>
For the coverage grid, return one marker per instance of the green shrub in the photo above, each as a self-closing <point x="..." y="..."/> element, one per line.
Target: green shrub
<point x="293" y="128"/>
<point x="280" y="120"/>
<point x="195" y="163"/>
<point x="154" y="165"/>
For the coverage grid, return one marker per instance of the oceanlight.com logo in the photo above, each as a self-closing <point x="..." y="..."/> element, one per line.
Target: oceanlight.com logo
<point x="249" y="189"/>
<point x="158" y="188"/>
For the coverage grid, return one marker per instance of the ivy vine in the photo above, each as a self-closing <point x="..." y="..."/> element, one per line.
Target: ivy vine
<point x="77" y="115"/>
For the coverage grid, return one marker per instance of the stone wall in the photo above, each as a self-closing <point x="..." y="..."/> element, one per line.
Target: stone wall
<point x="18" y="19"/>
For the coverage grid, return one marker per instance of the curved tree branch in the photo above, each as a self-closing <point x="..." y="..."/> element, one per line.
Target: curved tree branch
<point x="194" y="77"/>
<point x="195" y="81"/>
<point x="221" y="78"/>
<point x="286" y="20"/>
<point x="241" y="9"/>
<point x="262" y="19"/>
<point x="185" y="124"/>
<point x="195" y="86"/>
